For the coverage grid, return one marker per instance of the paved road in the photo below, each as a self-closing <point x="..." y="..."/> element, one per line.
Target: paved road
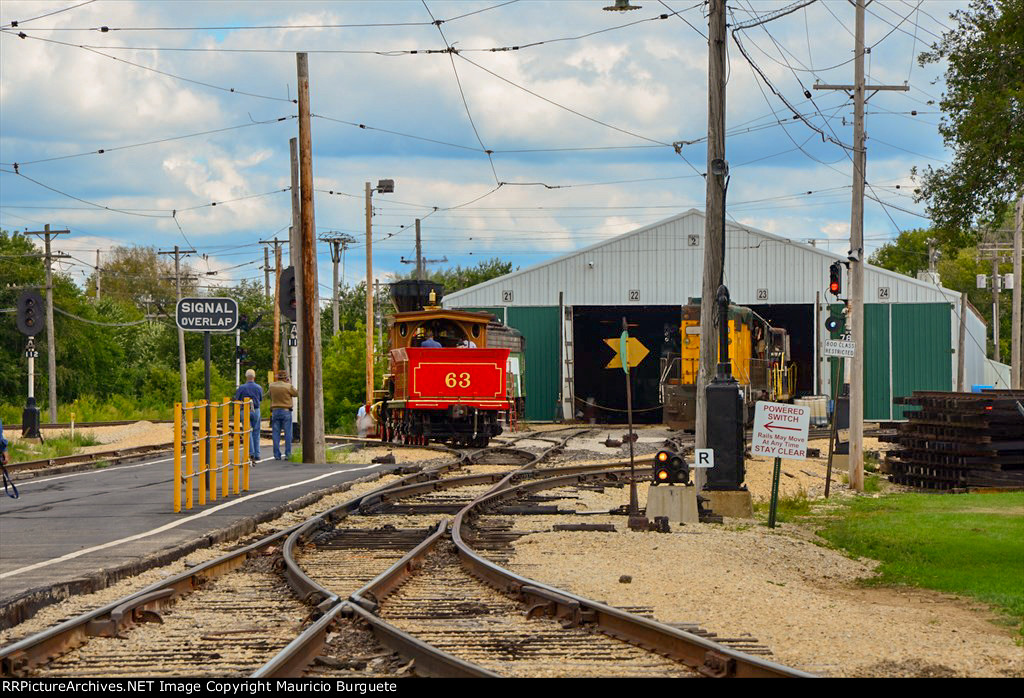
<point x="82" y="526"/>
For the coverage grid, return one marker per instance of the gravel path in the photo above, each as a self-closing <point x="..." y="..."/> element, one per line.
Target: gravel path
<point x="802" y="600"/>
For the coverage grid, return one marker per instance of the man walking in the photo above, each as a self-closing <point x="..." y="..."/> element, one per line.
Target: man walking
<point x="250" y="389"/>
<point x="281" y="394"/>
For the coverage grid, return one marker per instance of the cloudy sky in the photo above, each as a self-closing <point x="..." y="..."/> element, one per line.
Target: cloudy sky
<point x="579" y="108"/>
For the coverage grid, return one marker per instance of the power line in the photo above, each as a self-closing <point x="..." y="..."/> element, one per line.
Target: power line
<point x="18" y="23"/>
<point x="462" y="92"/>
<point x="101" y="151"/>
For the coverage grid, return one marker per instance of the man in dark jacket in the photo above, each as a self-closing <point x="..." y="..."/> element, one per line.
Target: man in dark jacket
<point x="250" y="389"/>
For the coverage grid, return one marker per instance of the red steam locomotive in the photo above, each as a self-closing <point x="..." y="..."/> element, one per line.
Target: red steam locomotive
<point x="455" y="393"/>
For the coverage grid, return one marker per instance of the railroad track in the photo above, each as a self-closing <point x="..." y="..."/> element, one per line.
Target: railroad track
<point x="384" y="536"/>
<point x="454" y="613"/>
<point x="167" y="602"/>
<point x="89" y="425"/>
<point x="42" y="652"/>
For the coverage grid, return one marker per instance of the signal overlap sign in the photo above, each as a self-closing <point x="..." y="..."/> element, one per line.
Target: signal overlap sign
<point x="207" y="314"/>
<point x="780" y="430"/>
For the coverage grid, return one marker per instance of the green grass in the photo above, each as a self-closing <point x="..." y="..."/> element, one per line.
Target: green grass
<point x="788" y="508"/>
<point x="968" y="544"/>
<point x="20" y="451"/>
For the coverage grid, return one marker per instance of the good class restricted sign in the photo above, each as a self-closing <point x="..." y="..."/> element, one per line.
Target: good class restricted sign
<point x="780" y="430"/>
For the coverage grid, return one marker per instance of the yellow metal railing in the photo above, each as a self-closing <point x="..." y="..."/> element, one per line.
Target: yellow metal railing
<point x="200" y="453"/>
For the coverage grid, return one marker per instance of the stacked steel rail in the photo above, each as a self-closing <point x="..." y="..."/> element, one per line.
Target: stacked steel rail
<point x="959" y="441"/>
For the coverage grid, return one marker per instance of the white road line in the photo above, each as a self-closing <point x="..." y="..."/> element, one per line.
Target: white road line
<point x="100" y="471"/>
<point x="95" y="471"/>
<point x="175" y="524"/>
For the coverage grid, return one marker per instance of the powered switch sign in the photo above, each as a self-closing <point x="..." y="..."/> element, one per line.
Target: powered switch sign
<point x="780" y="430"/>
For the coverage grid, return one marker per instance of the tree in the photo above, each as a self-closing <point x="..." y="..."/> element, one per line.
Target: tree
<point x="958" y="269"/>
<point x="983" y="121"/>
<point x="138" y="275"/>
<point x="345" y="376"/>
<point x="907" y="254"/>
<point x="458" y="278"/>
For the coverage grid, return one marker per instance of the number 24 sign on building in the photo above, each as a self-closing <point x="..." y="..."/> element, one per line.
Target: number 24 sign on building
<point x="780" y="430"/>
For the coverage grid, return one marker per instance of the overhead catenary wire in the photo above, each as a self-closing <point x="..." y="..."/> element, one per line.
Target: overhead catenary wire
<point x="101" y="151"/>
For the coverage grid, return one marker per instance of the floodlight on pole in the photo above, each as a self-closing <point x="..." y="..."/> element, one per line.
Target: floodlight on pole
<point x="621" y="6"/>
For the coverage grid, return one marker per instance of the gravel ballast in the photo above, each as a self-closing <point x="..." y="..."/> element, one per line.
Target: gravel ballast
<point x="804" y="601"/>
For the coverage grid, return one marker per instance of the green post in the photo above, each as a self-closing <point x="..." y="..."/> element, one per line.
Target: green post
<point x="836" y="389"/>
<point x="775" y="492"/>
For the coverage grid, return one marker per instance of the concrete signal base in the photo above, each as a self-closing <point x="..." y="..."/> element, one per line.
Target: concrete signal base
<point x="737" y="504"/>
<point x="677" y="502"/>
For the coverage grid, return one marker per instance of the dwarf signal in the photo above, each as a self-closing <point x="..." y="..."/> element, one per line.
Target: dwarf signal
<point x="670" y="469"/>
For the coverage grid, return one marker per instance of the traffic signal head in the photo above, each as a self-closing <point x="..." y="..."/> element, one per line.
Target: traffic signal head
<point x="670" y="469"/>
<point x="288" y="300"/>
<point x="30" y="313"/>
<point x="241" y="353"/>
<point x="835" y="278"/>
<point x="835" y="324"/>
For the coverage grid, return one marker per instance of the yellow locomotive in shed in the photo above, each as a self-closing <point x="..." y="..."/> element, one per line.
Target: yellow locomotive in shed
<point x="758" y="352"/>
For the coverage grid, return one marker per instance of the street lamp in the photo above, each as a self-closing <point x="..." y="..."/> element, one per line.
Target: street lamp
<point x="621" y="6"/>
<point x="384" y="186"/>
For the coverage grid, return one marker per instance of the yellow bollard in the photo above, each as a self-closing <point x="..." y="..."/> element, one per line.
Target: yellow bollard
<point x="212" y="452"/>
<point x="248" y="434"/>
<point x="201" y="470"/>
<point x="238" y="440"/>
<point x="225" y="456"/>
<point x="177" y="457"/>
<point x="188" y="455"/>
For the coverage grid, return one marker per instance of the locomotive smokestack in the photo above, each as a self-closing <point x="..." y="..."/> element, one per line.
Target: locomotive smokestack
<point x="412" y="294"/>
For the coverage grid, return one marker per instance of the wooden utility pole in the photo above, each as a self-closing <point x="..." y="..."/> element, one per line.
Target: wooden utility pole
<point x="421" y="264"/>
<point x="961" y="343"/>
<point x="182" y="366"/>
<point x="419" y="253"/>
<point x="98" y="277"/>
<point x="714" y="220"/>
<point x="856" y="254"/>
<point x="51" y="340"/>
<point x="295" y="260"/>
<point x="369" y="297"/>
<point x="996" y="287"/>
<point x="277" y="312"/>
<point x="266" y="272"/>
<point x="1016" y="366"/>
<point x="277" y="295"/>
<point x="313" y="446"/>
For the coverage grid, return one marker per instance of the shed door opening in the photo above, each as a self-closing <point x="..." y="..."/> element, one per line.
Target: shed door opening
<point x="600" y="391"/>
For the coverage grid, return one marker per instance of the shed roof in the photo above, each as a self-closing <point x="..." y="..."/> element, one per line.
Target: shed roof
<point x="651" y="260"/>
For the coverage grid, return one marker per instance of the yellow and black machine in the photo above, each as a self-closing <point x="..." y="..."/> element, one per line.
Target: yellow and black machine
<point x="760" y="359"/>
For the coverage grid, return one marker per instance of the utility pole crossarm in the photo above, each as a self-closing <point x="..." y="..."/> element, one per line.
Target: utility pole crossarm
<point x="867" y="88"/>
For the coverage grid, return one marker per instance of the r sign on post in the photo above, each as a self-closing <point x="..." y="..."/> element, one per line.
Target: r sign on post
<point x="780" y="430"/>
<point x="703" y="458"/>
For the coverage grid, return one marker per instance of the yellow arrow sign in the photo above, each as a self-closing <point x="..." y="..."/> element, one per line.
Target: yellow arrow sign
<point x="637" y="352"/>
